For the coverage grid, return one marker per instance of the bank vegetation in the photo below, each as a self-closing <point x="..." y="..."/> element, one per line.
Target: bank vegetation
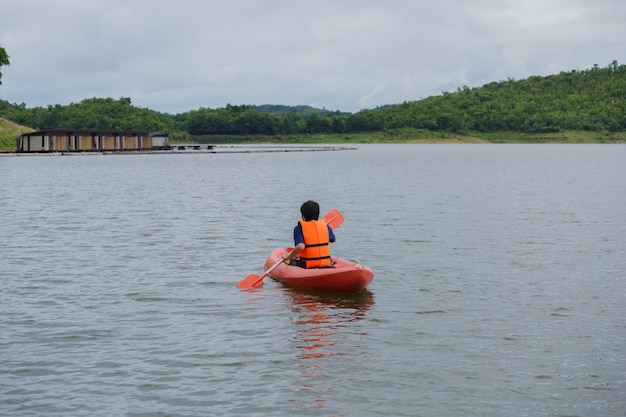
<point x="574" y="106"/>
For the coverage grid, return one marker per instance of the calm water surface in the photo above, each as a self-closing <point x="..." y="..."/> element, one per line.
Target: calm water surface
<point x="499" y="289"/>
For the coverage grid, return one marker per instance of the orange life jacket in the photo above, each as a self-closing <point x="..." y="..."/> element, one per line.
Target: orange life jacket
<point x="316" y="253"/>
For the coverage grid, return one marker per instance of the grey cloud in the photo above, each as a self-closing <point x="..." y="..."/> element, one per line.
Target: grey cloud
<point x="345" y="55"/>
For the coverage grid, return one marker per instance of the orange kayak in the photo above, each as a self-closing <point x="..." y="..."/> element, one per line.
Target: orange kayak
<point x="345" y="276"/>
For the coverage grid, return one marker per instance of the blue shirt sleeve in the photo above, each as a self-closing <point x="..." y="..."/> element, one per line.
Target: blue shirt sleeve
<point x="298" y="237"/>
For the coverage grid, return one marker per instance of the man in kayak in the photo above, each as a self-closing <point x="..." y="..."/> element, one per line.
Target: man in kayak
<point x="311" y="239"/>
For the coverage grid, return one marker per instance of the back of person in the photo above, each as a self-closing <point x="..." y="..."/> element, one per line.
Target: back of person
<point x="312" y="238"/>
<point x="316" y="253"/>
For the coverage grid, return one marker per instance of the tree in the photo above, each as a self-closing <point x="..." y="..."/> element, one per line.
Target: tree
<point x="4" y="60"/>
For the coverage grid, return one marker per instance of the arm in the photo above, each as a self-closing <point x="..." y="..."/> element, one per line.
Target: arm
<point x="298" y="243"/>
<point x="296" y="250"/>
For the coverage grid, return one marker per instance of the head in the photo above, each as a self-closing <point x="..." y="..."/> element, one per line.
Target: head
<point x="310" y="211"/>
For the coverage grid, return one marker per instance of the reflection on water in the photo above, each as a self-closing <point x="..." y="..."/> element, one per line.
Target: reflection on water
<point x="326" y="339"/>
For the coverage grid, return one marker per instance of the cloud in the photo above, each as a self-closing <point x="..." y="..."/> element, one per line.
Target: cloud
<point x="341" y="55"/>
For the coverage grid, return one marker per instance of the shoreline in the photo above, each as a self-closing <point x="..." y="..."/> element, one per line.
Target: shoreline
<point x="216" y="149"/>
<point x="348" y="142"/>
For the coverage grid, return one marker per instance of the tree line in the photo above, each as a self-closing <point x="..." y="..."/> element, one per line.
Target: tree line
<point x="591" y="100"/>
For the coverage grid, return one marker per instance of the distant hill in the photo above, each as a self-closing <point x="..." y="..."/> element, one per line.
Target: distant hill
<point x="304" y="111"/>
<point x="591" y="100"/>
<point x="588" y="100"/>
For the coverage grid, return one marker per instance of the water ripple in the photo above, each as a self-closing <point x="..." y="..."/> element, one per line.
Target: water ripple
<point x="498" y="289"/>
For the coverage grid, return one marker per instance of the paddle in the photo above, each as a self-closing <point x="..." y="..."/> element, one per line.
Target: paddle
<point x="333" y="219"/>
<point x="254" y="280"/>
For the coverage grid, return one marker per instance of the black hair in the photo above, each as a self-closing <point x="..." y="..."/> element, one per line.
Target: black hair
<point x="310" y="210"/>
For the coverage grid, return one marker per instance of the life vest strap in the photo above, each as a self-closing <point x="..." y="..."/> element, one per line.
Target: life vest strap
<point x="316" y="245"/>
<point x="315" y="259"/>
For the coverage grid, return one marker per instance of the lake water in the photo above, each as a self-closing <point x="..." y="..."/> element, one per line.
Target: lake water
<point x="499" y="289"/>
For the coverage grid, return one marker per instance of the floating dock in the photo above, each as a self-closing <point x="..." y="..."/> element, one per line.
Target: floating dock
<point x="89" y="140"/>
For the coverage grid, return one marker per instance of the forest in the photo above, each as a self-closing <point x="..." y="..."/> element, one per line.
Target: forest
<point x="591" y="100"/>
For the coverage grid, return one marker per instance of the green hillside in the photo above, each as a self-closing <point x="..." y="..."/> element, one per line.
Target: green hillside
<point x="8" y="131"/>
<point x="573" y="106"/>
<point x="591" y="100"/>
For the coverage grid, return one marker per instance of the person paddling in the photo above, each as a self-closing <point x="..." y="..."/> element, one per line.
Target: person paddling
<point x="311" y="238"/>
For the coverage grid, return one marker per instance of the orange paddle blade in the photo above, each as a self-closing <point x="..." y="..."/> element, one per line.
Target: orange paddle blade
<point x="254" y="280"/>
<point x="333" y="218"/>
<point x="251" y="280"/>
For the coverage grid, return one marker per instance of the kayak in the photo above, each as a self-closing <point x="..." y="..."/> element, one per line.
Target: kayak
<point x="344" y="276"/>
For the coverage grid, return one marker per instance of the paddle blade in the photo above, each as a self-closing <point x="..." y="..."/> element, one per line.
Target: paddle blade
<point x="333" y="218"/>
<point x="252" y="280"/>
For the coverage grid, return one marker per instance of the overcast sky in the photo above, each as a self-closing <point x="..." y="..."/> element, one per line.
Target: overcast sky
<point x="176" y="56"/>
